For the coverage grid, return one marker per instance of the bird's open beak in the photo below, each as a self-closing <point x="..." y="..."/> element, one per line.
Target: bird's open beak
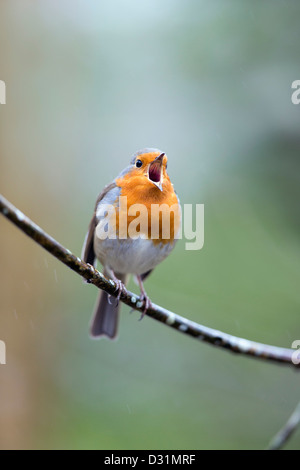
<point x="155" y="171"/>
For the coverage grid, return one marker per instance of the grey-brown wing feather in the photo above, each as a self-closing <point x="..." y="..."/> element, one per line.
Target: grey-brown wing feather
<point x="145" y="275"/>
<point x="88" y="253"/>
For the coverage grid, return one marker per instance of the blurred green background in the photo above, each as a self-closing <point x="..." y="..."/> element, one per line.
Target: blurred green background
<point x="88" y="84"/>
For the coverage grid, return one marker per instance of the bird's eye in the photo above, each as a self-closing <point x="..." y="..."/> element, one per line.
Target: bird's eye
<point x="138" y="163"/>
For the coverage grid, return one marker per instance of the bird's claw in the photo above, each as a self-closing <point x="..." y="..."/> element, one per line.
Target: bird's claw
<point x="120" y="289"/>
<point x="147" y="304"/>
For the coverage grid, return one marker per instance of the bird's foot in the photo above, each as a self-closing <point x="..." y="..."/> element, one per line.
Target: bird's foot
<point x="143" y="297"/>
<point x="147" y="303"/>
<point x="121" y="289"/>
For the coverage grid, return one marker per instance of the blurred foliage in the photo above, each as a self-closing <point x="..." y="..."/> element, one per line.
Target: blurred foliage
<point x="210" y="84"/>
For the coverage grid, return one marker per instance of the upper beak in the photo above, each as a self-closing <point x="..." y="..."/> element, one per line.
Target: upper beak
<point x="155" y="171"/>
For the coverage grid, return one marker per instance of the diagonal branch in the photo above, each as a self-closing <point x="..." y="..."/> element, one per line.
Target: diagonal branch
<point x="288" y="429"/>
<point x="181" y="324"/>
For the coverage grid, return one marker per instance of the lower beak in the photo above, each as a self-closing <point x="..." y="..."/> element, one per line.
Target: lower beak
<point x="155" y="171"/>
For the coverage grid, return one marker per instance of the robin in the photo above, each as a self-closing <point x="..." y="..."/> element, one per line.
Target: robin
<point x="123" y="242"/>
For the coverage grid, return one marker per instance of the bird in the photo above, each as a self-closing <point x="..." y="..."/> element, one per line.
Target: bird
<point x="131" y="248"/>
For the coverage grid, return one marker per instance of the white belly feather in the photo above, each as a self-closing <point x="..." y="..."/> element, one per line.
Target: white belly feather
<point x="134" y="256"/>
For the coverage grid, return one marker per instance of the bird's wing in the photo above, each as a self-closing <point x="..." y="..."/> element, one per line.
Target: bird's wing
<point x="145" y="275"/>
<point x="88" y="253"/>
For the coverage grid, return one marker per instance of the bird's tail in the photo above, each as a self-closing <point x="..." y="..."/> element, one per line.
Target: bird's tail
<point x="106" y="314"/>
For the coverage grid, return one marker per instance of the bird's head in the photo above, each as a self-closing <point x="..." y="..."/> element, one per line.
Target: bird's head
<point x="151" y="166"/>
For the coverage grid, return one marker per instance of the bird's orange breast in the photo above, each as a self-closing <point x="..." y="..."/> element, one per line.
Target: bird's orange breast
<point x="160" y="213"/>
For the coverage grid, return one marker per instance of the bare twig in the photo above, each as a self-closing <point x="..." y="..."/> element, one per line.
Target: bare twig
<point x="200" y="332"/>
<point x="285" y="433"/>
